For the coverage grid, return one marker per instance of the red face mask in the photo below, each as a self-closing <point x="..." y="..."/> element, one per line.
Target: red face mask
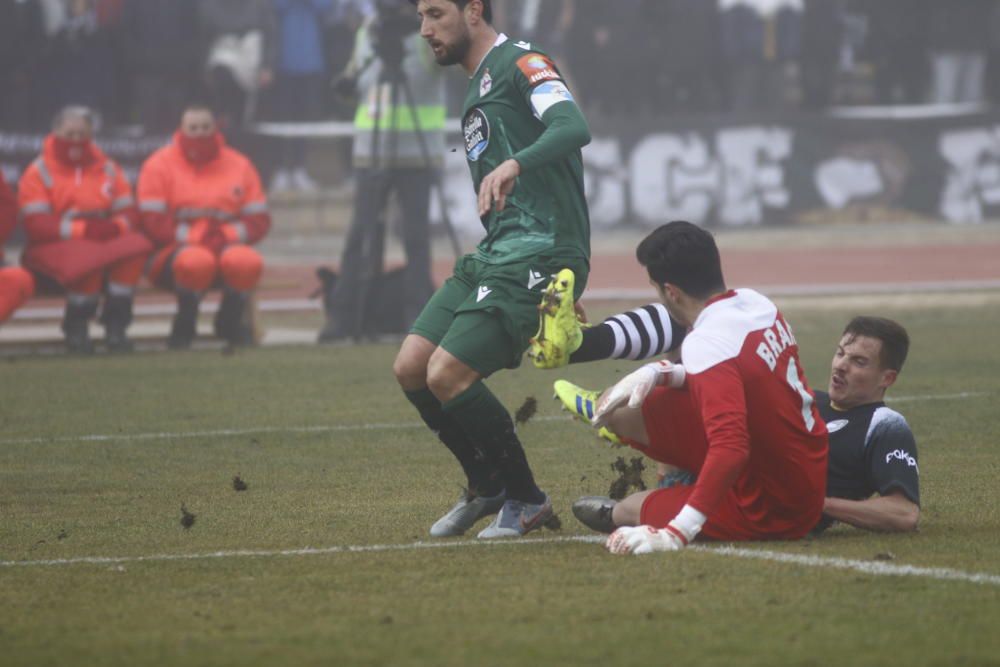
<point x="199" y="150"/>
<point x="74" y="153"/>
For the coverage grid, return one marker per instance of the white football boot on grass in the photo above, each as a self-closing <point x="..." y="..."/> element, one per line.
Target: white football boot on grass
<point x="467" y="511"/>
<point x="517" y="518"/>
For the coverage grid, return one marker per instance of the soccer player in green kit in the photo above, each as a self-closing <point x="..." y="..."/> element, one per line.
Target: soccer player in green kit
<point x="523" y="134"/>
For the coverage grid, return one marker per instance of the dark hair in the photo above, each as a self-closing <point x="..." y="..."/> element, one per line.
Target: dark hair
<point x="487" y="8"/>
<point x="895" y="340"/>
<point x="684" y="255"/>
<point x="198" y="105"/>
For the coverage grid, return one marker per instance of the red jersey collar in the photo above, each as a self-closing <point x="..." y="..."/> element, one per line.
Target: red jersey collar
<point x="728" y="294"/>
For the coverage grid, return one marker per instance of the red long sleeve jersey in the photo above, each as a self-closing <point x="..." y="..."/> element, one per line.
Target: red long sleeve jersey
<point x="766" y="440"/>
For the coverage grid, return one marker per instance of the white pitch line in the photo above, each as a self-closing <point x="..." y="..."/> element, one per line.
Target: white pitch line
<point x="935" y="397"/>
<point x="870" y="568"/>
<point x="874" y="568"/>
<point x="230" y="432"/>
<point x="341" y="428"/>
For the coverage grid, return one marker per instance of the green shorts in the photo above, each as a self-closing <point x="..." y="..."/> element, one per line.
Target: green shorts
<point x="484" y="314"/>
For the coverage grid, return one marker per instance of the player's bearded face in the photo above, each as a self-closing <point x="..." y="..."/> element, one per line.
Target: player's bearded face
<point x="443" y="26"/>
<point x="453" y="51"/>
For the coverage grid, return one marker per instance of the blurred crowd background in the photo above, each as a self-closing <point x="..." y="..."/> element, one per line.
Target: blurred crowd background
<point x="136" y="61"/>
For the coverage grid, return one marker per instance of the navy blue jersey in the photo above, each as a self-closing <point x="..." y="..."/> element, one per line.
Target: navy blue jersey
<point x="872" y="450"/>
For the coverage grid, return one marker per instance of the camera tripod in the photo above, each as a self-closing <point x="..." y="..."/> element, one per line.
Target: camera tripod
<point x="371" y="244"/>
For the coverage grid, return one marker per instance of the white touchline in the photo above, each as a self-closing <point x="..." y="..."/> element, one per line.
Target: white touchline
<point x="871" y="568"/>
<point x="340" y="428"/>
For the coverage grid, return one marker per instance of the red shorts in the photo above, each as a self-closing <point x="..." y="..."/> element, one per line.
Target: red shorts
<point x="677" y="437"/>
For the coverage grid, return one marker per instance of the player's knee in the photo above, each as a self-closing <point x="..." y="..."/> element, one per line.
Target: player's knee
<point x="447" y="377"/>
<point x="410" y="371"/>
<point x="410" y="366"/>
<point x="241" y="267"/>
<point x="20" y="283"/>
<point x="194" y="268"/>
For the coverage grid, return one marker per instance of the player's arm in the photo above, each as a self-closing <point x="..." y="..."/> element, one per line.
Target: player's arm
<point x="566" y="129"/>
<point x="894" y="513"/>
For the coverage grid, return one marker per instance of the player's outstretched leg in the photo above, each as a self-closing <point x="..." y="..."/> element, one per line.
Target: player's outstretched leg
<point x="559" y="331"/>
<point x="581" y="403"/>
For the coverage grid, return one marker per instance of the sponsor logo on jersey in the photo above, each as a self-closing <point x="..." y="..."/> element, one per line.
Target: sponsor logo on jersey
<point x="486" y="83"/>
<point x="523" y="45"/>
<point x="537" y="68"/>
<point x="902" y="455"/>
<point x="535" y="277"/>
<point x="483" y="292"/>
<point x="836" y="425"/>
<point x="476" y="129"/>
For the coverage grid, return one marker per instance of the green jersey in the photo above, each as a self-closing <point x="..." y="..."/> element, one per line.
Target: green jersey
<point x="518" y="106"/>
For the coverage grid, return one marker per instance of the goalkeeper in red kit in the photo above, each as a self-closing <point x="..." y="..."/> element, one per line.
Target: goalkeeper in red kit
<point x="740" y="411"/>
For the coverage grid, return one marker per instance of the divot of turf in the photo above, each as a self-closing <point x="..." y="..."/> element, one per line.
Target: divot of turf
<point x="630" y="476"/>
<point x="527" y="410"/>
<point x="187" y="518"/>
<point x="238" y="483"/>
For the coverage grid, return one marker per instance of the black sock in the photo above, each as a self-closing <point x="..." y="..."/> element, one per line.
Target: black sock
<point x="485" y="420"/>
<point x="483" y="477"/>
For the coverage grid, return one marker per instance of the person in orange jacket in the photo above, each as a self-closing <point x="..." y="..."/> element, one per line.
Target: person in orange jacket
<point x="202" y="204"/>
<point x="80" y="219"/>
<point x="16" y="284"/>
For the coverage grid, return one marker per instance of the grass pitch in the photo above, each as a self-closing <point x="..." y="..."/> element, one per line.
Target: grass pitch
<point x="98" y="456"/>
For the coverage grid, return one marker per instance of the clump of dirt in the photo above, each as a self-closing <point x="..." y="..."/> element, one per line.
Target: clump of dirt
<point x="629" y="476"/>
<point x="187" y="518"/>
<point x="527" y="410"/>
<point x="888" y="555"/>
<point x="239" y="484"/>
<point x="554" y="523"/>
<point x="62" y="535"/>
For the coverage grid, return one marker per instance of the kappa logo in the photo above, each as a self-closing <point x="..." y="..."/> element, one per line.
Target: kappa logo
<point x="523" y="45"/>
<point x="535" y="277"/>
<point x="484" y="292"/>
<point x="836" y="425"/>
<point x="902" y="455"/>
<point x="486" y="83"/>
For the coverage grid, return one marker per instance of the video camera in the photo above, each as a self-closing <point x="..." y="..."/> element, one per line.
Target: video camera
<point x="394" y="22"/>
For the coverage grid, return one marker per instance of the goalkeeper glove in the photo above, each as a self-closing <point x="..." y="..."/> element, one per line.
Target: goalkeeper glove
<point x="641" y="540"/>
<point x="635" y="386"/>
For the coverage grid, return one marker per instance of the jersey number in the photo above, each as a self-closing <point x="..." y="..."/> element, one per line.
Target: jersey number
<point x="807" y="400"/>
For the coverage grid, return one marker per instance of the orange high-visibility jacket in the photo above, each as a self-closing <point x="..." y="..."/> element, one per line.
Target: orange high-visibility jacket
<point x="8" y="213"/>
<point x="57" y="200"/>
<point x="57" y="203"/>
<point x="184" y="202"/>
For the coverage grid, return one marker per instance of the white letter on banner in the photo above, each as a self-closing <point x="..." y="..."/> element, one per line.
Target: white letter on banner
<point x="973" y="156"/>
<point x="604" y="179"/>
<point x="754" y="175"/>
<point x="673" y="177"/>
